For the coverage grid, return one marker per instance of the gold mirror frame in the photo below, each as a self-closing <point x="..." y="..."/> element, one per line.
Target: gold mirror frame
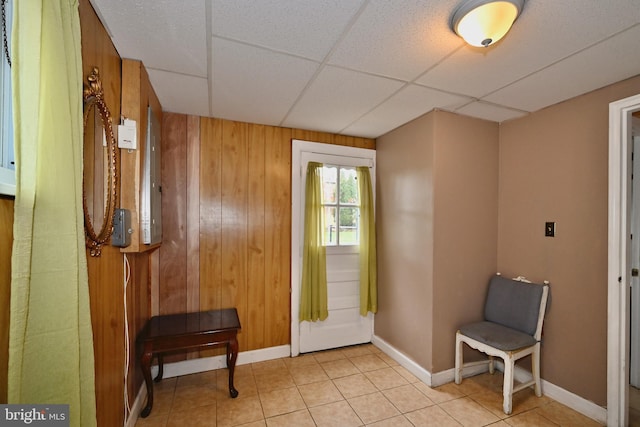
<point x="94" y="98"/>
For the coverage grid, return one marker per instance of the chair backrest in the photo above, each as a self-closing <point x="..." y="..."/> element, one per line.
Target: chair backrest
<point x="517" y="305"/>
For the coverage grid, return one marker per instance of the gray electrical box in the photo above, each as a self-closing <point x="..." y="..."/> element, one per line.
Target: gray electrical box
<point x="121" y="236"/>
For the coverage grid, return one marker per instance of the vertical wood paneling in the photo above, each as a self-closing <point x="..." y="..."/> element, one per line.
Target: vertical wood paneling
<point x="210" y="213"/>
<point x="107" y="316"/>
<point x="6" y="242"/>
<point x="327" y="138"/>
<point x="254" y="336"/>
<point x="106" y="272"/>
<point x="173" y="270"/>
<point x="278" y="235"/>
<point x="138" y="311"/>
<point x="106" y="288"/>
<point x="234" y="219"/>
<point x="238" y="222"/>
<point x="193" y="213"/>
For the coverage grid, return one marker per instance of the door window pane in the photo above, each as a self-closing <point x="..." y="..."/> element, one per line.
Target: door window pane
<point x="341" y="203"/>
<point x="349" y="226"/>
<point x="329" y="184"/>
<point x="331" y="226"/>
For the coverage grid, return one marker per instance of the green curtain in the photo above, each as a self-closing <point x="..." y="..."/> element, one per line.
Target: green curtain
<point x="51" y="344"/>
<point x="313" y="294"/>
<point x="368" y="265"/>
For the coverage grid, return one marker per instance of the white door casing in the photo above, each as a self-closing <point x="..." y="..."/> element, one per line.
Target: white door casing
<point x="344" y="326"/>
<point x="634" y="333"/>
<point x="618" y="271"/>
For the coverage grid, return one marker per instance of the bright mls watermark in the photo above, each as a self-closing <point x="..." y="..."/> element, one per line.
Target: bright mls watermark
<point x="36" y="415"/>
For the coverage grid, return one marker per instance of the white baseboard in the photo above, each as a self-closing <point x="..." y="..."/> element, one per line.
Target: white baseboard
<point x="403" y="360"/>
<point x="193" y="366"/>
<point x="137" y="406"/>
<point x="432" y="380"/>
<point x="560" y="395"/>
<point x="448" y="376"/>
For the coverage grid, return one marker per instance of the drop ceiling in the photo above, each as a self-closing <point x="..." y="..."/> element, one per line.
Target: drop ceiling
<point x="365" y="67"/>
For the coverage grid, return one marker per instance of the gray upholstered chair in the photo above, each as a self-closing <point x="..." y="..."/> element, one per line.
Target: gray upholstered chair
<point x="512" y="328"/>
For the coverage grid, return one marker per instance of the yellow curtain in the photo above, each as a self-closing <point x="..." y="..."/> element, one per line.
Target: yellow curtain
<point x="368" y="265"/>
<point x="313" y="294"/>
<point x="51" y="344"/>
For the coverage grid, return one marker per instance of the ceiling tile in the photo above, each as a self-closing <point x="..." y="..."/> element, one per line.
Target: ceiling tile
<point x="338" y="97"/>
<point x="305" y="28"/>
<point x="254" y="84"/>
<point x="613" y="60"/>
<point x="486" y="111"/>
<point x="410" y="102"/>
<point x="363" y="67"/>
<point x="398" y="39"/>
<point x="180" y="93"/>
<point x="547" y="31"/>
<point x="148" y="30"/>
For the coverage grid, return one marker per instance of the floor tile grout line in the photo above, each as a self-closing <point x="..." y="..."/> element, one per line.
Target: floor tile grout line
<point x="362" y="370"/>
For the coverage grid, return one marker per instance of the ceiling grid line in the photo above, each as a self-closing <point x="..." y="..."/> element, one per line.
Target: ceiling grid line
<point x="365" y="67"/>
<point x="323" y="63"/>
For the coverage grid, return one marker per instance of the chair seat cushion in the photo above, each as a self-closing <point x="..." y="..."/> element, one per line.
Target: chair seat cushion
<point x="497" y="336"/>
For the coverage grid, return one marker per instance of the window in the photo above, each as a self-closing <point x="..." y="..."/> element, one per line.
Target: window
<point x="341" y="203"/>
<point x="7" y="159"/>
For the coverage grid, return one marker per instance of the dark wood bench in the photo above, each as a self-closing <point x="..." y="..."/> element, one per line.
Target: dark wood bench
<point x="188" y="331"/>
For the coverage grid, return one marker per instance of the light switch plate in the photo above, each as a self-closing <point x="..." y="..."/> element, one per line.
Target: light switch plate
<point x="549" y="229"/>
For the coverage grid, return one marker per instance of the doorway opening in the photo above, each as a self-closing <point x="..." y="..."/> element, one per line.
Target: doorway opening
<point x="619" y="259"/>
<point x="344" y="326"/>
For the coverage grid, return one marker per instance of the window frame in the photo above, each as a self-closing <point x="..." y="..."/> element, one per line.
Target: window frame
<point x="338" y="204"/>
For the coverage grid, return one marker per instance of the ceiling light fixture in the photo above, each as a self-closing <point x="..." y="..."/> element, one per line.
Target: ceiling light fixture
<point x="481" y="23"/>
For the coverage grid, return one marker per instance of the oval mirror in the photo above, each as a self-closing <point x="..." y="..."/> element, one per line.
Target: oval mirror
<point x="100" y="170"/>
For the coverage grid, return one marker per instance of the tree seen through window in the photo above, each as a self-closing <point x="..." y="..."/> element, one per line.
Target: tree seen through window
<point x="341" y="203"/>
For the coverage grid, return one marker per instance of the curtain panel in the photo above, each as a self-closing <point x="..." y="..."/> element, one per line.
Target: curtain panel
<point x="313" y="289"/>
<point x="51" y="344"/>
<point x="368" y="263"/>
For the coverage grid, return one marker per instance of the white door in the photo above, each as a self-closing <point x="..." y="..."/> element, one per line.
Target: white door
<point x="634" y="347"/>
<point x="344" y="325"/>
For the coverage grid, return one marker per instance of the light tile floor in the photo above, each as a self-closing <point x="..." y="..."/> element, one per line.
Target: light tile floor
<point x="353" y="386"/>
<point x="634" y="407"/>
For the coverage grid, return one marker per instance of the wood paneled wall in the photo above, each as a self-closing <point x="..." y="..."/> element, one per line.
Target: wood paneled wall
<point x="6" y="242"/>
<point x="227" y="221"/>
<point x="107" y="272"/>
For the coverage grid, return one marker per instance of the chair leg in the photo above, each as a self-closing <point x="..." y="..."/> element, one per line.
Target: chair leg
<point x="507" y="386"/>
<point x="535" y="369"/>
<point x="459" y="363"/>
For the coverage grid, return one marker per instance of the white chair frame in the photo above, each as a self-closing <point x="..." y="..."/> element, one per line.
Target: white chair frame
<point x="509" y="358"/>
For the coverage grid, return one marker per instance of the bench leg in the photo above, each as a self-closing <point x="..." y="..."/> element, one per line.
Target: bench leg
<point x="158" y="377"/>
<point x="232" y="356"/>
<point x="145" y="362"/>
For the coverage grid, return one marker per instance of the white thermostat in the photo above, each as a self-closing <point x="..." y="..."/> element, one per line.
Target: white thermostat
<point x="127" y="136"/>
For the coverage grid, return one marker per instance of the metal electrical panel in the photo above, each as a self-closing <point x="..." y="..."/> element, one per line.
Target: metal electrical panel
<point x="151" y="194"/>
